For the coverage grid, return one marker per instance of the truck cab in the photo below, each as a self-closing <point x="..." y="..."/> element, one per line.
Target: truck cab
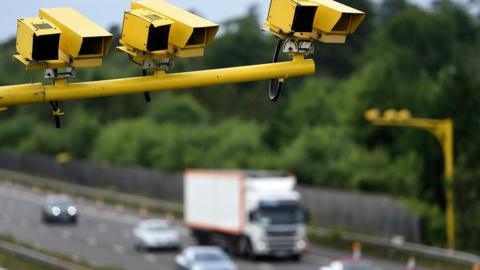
<point x="276" y="219"/>
<point x="251" y="213"/>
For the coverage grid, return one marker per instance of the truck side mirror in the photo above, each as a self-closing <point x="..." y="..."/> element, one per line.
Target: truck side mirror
<point x="251" y="216"/>
<point x="306" y="215"/>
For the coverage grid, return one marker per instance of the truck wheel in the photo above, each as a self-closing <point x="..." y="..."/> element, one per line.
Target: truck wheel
<point x="246" y="249"/>
<point x="202" y="238"/>
<point x="297" y="257"/>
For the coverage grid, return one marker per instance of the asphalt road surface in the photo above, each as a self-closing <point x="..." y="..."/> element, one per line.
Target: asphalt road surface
<point x="104" y="237"/>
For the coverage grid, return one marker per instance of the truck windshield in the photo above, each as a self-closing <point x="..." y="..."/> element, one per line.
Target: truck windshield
<point x="280" y="213"/>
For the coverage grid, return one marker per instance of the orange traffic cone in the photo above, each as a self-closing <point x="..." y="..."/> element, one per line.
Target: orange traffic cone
<point x="81" y="202"/>
<point x="119" y="209"/>
<point x="357" y="251"/>
<point x="412" y="263"/>
<point x="100" y="205"/>
<point x="143" y="211"/>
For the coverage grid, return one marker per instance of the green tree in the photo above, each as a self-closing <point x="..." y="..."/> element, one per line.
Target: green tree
<point x="181" y="109"/>
<point x="81" y="130"/>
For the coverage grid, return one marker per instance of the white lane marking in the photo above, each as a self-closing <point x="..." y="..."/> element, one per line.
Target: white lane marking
<point x="150" y="258"/>
<point x="119" y="249"/>
<point x="102" y="227"/>
<point x="126" y="234"/>
<point x="92" y="242"/>
<point x="65" y="234"/>
<point x="266" y="266"/>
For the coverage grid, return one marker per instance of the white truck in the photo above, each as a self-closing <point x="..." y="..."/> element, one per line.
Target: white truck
<point x="248" y="213"/>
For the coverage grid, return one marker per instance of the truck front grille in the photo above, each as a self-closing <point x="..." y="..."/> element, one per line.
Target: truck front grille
<point x="281" y="233"/>
<point x="281" y="244"/>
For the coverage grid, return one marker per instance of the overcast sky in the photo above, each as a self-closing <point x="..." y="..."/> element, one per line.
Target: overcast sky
<point x="108" y="12"/>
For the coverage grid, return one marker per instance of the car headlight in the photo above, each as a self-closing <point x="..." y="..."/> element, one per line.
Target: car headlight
<point x="301" y="244"/>
<point x="261" y="245"/>
<point x="72" y="211"/>
<point x="56" y="211"/>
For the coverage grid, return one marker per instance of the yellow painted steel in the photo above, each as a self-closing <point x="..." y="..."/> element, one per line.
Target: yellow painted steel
<point x="331" y="21"/>
<point x="443" y="131"/>
<point x="192" y="33"/>
<point x="33" y="36"/>
<point x="33" y="65"/>
<point x="283" y="16"/>
<point x="334" y="21"/>
<point x="61" y="91"/>
<point x="137" y="25"/>
<point x="81" y="38"/>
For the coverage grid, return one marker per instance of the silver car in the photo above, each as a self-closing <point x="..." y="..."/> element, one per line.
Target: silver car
<point x="59" y="208"/>
<point x="204" y="258"/>
<point x="156" y="234"/>
<point x="350" y="264"/>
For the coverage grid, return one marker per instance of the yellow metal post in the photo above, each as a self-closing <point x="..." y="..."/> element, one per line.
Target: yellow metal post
<point x="160" y="81"/>
<point x="443" y="131"/>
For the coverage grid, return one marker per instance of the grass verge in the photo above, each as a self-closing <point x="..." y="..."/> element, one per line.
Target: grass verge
<point x="17" y="263"/>
<point x="8" y="261"/>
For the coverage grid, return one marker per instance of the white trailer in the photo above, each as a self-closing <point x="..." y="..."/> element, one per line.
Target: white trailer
<point x="251" y="213"/>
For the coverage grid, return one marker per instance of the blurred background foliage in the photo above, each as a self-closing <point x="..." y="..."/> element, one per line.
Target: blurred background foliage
<point x="401" y="57"/>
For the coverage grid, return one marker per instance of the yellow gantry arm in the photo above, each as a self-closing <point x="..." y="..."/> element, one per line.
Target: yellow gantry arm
<point x="442" y="129"/>
<point x="153" y="33"/>
<point x="62" y="91"/>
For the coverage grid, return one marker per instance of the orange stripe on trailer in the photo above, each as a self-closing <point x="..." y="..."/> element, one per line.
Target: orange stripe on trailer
<point x="213" y="228"/>
<point x="242" y="202"/>
<point x="214" y="173"/>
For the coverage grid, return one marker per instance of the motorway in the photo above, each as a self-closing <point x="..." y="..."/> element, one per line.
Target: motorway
<point x="104" y="237"/>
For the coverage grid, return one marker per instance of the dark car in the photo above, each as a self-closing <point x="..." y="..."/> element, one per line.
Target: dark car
<point x="59" y="208"/>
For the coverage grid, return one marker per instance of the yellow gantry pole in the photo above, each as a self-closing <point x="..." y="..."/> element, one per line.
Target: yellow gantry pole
<point x="443" y="131"/>
<point x="160" y="81"/>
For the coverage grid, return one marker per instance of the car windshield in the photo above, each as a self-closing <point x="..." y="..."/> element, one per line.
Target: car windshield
<point x="157" y="228"/>
<point x="364" y="266"/>
<point x="280" y="213"/>
<point x="209" y="257"/>
<point x="59" y="202"/>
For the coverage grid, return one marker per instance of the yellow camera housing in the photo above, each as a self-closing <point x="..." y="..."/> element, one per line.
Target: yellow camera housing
<point x="189" y="33"/>
<point x="145" y="32"/>
<point x="291" y="18"/>
<point x="37" y="40"/>
<point x="335" y="21"/>
<point x="82" y="42"/>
